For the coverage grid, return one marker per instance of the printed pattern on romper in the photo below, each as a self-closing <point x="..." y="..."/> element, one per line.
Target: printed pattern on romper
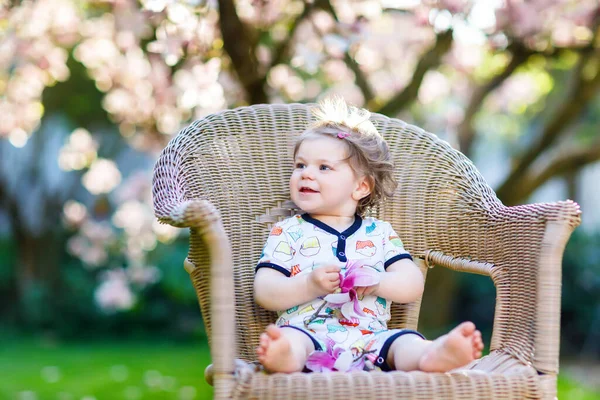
<point x="297" y="247"/>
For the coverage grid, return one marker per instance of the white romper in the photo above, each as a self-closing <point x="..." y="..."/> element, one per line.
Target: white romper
<point x="301" y="243"/>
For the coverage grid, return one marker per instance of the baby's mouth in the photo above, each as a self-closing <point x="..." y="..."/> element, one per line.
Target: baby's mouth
<point x="307" y="190"/>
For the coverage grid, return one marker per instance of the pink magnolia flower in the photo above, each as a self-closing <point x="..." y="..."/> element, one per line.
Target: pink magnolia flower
<point x="334" y="359"/>
<point x="356" y="276"/>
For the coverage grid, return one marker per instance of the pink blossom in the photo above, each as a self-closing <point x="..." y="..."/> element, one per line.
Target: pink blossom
<point x="334" y="359"/>
<point x="454" y="6"/>
<point x="356" y="276"/>
<point x="114" y="293"/>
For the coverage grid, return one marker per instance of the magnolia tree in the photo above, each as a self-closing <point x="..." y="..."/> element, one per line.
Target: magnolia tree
<point x="525" y="72"/>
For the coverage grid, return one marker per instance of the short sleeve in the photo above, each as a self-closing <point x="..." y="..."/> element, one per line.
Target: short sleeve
<point x="393" y="248"/>
<point x="277" y="252"/>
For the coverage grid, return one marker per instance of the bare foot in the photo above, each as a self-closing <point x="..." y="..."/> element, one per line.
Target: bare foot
<point x="275" y="352"/>
<point x="459" y="347"/>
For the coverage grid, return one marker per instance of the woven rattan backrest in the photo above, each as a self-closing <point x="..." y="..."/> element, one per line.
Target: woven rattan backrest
<point x="240" y="160"/>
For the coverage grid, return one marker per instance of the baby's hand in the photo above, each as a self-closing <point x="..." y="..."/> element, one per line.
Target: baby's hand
<point x="324" y="280"/>
<point x="366" y="290"/>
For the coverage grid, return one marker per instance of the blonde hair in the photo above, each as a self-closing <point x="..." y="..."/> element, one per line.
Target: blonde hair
<point x="368" y="153"/>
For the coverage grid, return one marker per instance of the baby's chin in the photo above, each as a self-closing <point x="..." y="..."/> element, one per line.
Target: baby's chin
<point x="302" y="204"/>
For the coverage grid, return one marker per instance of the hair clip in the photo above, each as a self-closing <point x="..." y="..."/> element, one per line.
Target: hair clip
<point x="342" y="135"/>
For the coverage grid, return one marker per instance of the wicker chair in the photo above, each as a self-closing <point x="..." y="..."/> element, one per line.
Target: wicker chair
<point x="226" y="178"/>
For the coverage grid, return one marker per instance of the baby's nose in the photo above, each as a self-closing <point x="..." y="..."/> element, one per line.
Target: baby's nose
<point x="308" y="173"/>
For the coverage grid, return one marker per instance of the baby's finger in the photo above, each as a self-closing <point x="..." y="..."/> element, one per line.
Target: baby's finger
<point x="334" y="280"/>
<point x="332" y="268"/>
<point x="333" y="276"/>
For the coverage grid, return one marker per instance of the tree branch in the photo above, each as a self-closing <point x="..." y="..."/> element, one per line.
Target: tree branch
<point x="281" y="50"/>
<point x="240" y="47"/>
<point x="582" y="91"/>
<point x="430" y="60"/>
<point x="575" y="102"/>
<point x="521" y="53"/>
<point x="361" y="80"/>
<point x="466" y="132"/>
<point x="565" y="162"/>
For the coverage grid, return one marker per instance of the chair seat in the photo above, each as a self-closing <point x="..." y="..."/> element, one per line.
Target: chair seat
<point x="459" y="384"/>
<point x="497" y="375"/>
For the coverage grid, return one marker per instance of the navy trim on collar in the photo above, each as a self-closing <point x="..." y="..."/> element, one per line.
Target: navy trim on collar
<point x="340" y="251"/>
<point x="353" y="228"/>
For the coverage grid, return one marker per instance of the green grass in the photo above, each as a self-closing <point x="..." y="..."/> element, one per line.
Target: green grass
<point x="128" y="370"/>
<point x="569" y="389"/>
<point x="112" y="371"/>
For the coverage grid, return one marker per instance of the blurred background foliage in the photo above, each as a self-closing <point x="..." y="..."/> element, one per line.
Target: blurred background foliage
<point x="92" y="90"/>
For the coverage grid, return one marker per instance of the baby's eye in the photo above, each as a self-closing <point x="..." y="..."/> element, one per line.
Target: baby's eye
<point x="324" y="167"/>
<point x="300" y="166"/>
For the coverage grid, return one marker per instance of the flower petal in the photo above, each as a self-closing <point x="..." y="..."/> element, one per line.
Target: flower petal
<point x="337" y="351"/>
<point x="347" y="283"/>
<point x="320" y="361"/>
<point x="365" y="277"/>
<point x="358" y="365"/>
<point x="337" y="298"/>
<point x="330" y="343"/>
<point x="352" y="265"/>
<point x="357" y="308"/>
<point x="344" y="361"/>
<point x="349" y="311"/>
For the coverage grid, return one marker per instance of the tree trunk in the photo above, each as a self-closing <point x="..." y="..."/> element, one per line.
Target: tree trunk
<point x="572" y="185"/>
<point x="37" y="274"/>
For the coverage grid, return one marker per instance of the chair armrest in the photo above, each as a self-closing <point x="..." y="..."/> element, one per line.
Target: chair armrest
<point x="195" y="214"/>
<point x="522" y="252"/>
<point x="531" y="240"/>
<point x="176" y="207"/>
<point x="566" y="212"/>
<point x="202" y="217"/>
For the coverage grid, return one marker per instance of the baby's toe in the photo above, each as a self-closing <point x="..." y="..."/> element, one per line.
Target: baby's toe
<point x="264" y="339"/>
<point x="467" y="328"/>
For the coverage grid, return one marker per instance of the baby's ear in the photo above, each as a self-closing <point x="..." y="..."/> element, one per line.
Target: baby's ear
<point x="364" y="188"/>
<point x="371" y="182"/>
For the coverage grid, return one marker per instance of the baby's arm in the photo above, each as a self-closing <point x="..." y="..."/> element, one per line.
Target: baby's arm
<point x="276" y="292"/>
<point x="402" y="282"/>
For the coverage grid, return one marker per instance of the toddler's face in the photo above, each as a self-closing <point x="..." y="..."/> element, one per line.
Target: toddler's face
<point x="323" y="183"/>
